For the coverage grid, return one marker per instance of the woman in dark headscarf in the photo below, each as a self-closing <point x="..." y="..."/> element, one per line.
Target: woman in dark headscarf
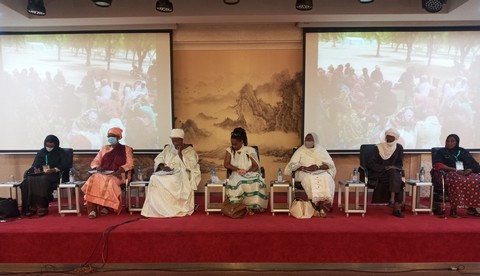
<point x="461" y="178"/>
<point x="42" y="178"/>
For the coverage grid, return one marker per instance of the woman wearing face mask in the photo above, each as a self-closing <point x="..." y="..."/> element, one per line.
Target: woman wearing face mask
<point x="245" y="183"/>
<point x="385" y="167"/>
<point x="461" y="179"/>
<point x="315" y="169"/>
<point x="42" y="178"/>
<point x="102" y="189"/>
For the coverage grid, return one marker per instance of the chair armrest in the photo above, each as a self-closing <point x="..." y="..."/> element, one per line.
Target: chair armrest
<point x="128" y="176"/>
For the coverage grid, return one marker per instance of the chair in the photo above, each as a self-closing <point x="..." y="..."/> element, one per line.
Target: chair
<point x="440" y="191"/>
<point x="221" y="188"/>
<point x="296" y="185"/>
<point x="366" y="153"/>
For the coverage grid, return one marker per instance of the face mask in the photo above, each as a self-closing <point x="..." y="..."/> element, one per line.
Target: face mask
<point x="48" y="149"/>
<point x="309" y="144"/>
<point x="112" y="140"/>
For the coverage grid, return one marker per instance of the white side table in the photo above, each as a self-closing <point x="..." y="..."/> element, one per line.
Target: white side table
<point x="13" y="188"/>
<point x="214" y="188"/>
<point x="416" y="206"/>
<point x="137" y="185"/>
<point x="358" y="187"/>
<point x="69" y="187"/>
<point x="280" y="207"/>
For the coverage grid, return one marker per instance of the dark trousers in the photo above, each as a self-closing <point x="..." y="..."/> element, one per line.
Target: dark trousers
<point x="387" y="182"/>
<point x="37" y="190"/>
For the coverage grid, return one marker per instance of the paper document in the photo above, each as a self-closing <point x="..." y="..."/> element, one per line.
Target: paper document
<point x="102" y="172"/>
<point x="165" y="172"/>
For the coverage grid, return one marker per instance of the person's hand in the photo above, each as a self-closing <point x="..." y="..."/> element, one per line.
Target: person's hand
<point x="49" y="171"/>
<point x="324" y="166"/>
<point x="311" y="168"/>
<point x="464" y="172"/>
<point x="241" y="172"/>
<point x="118" y="174"/>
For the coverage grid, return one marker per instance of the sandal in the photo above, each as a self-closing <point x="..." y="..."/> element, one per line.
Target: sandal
<point x="92" y="215"/>
<point x="473" y="212"/>
<point x="323" y="214"/>
<point x="453" y="213"/>
<point x="103" y="211"/>
<point x="398" y="214"/>
<point x="41" y="212"/>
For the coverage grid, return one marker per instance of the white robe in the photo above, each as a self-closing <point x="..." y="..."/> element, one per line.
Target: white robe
<point x="173" y="195"/>
<point x="249" y="188"/>
<point x="321" y="186"/>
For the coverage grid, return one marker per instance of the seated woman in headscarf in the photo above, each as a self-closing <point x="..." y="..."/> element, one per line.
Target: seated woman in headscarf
<point x="461" y="180"/>
<point x="177" y="175"/>
<point x="245" y="183"/>
<point x="102" y="189"/>
<point x="385" y="167"/>
<point x="316" y="171"/>
<point x="43" y="177"/>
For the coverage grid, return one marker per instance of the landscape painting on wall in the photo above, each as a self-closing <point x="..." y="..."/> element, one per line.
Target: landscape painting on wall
<point x="259" y="90"/>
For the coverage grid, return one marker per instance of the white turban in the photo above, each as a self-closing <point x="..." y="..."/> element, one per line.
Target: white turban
<point x="177" y="133"/>
<point x="393" y="132"/>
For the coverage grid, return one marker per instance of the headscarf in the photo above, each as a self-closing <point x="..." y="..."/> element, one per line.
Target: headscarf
<point x="315" y="140"/>
<point x="177" y="133"/>
<point x="318" y="153"/>
<point x="51" y="139"/>
<point x="387" y="149"/>
<point x="116" y="131"/>
<point x="457" y="139"/>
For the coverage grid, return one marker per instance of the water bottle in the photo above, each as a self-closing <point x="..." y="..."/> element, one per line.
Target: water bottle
<point x="139" y="173"/>
<point x="280" y="176"/>
<point x="213" y="174"/>
<point x="355" y="175"/>
<point x="422" y="174"/>
<point x="71" y="176"/>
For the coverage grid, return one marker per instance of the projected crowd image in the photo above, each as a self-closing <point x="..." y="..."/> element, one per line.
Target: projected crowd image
<point x="77" y="86"/>
<point x="424" y="84"/>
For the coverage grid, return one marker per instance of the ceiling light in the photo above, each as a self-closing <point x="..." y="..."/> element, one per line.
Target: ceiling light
<point x="164" y="6"/>
<point x="103" y="4"/>
<point x="433" y="5"/>
<point x="304" y="5"/>
<point x="231" y="2"/>
<point x="366" y="1"/>
<point x="36" y="7"/>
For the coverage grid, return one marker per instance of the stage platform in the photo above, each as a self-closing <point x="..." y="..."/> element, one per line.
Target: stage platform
<point x="376" y="238"/>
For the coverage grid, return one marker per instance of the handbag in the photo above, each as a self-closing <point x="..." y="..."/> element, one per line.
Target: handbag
<point x="8" y="208"/>
<point x="234" y="210"/>
<point x="301" y="209"/>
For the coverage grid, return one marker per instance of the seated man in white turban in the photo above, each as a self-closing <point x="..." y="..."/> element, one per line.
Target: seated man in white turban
<point x="385" y="168"/>
<point x="176" y="177"/>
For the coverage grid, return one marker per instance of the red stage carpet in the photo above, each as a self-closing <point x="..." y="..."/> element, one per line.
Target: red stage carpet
<point x="262" y="238"/>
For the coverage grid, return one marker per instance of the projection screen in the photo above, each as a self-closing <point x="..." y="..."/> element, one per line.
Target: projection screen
<point x="423" y="82"/>
<point x="78" y="85"/>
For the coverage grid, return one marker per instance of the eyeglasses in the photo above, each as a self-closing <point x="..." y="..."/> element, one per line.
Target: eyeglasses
<point x="236" y="134"/>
